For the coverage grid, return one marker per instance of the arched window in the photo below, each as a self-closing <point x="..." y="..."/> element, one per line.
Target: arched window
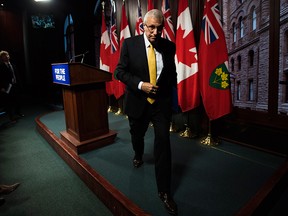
<point x="238" y="95"/>
<point x="250" y="87"/>
<point x="286" y="88"/>
<point x="241" y="27"/>
<point x="234" y="32"/>
<point x="239" y="62"/>
<point x="232" y="64"/>
<point x="286" y="42"/>
<point x="254" y="19"/>
<point x="251" y="57"/>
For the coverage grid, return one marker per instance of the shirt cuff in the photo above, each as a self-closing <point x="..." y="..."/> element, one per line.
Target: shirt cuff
<point x="140" y="85"/>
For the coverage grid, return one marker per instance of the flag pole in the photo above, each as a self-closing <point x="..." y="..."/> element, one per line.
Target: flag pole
<point x="209" y="140"/>
<point x="109" y="107"/>
<point x="120" y="106"/>
<point x="187" y="132"/>
<point x="173" y="125"/>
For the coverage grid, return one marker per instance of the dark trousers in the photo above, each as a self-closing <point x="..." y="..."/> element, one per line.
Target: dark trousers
<point x="13" y="102"/>
<point x="3" y="100"/>
<point x="162" y="149"/>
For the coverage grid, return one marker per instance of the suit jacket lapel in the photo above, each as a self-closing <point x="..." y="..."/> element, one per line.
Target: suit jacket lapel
<point x="162" y="52"/>
<point x="142" y="54"/>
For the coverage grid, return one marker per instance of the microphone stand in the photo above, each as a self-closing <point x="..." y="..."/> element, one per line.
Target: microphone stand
<point x="83" y="56"/>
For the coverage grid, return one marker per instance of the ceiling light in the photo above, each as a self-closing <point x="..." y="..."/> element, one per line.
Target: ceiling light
<point x="41" y="0"/>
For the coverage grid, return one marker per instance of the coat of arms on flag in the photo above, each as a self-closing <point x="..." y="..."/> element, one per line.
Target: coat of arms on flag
<point x="220" y="77"/>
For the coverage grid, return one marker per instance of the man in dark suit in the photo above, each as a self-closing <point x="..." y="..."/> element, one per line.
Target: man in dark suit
<point x="149" y="100"/>
<point x="9" y="86"/>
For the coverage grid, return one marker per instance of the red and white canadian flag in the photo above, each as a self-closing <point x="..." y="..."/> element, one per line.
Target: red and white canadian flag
<point x="186" y="60"/>
<point x="124" y="27"/>
<point x="105" y="48"/>
<point x="124" y="33"/>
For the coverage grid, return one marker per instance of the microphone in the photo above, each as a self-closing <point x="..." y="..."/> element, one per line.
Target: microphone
<point x="76" y="56"/>
<point x="83" y="56"/>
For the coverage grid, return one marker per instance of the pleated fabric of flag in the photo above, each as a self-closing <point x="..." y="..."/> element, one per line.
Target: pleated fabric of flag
<point x="213" y="64"/>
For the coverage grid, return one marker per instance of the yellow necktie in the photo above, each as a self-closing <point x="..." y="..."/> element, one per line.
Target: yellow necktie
<point x="152" y="69"/>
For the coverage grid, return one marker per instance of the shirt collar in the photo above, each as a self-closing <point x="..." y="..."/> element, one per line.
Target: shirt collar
<point x="146" y="41"/>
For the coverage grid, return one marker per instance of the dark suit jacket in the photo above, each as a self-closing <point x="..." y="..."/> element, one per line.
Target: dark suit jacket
<point x="133" y="68"/>
<point x="6" y="75"/>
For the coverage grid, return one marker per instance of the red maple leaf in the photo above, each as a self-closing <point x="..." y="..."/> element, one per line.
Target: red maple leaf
<point x="186" y="49"/>
<point x="105" y="55"/>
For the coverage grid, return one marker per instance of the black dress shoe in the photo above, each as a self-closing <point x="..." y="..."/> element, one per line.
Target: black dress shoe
<point x="7" y="189"/>
<point x="169" y="203"/>
<point x="137" y="162"/>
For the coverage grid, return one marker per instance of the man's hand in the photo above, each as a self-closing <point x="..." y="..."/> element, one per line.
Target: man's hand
<point x="149" y="88"/>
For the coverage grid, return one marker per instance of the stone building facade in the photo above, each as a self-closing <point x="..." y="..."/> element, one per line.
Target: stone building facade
<point x="246" y="25"/>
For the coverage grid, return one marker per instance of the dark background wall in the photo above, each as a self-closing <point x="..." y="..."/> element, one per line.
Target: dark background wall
<point x="32" y="50"/>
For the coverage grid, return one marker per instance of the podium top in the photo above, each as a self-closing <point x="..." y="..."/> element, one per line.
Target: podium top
<point x="72" y="74"/>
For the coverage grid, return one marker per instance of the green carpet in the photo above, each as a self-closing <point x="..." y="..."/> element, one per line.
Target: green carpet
<point x="206" y="180"/>
<point x="48" y="186"/>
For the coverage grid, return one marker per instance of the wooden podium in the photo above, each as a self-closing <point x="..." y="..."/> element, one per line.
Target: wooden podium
<point x="85" y="106"/>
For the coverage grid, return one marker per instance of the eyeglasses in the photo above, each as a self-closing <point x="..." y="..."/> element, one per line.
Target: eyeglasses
<point x="151" y="28"/>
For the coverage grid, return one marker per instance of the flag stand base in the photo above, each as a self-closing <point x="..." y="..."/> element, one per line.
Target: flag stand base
<point x="119" y="112"/>
<point x="187" y="133"/>
<point x="210" y="141"/>
<point x="172" y="128"/>
<point x="110" y="109"/>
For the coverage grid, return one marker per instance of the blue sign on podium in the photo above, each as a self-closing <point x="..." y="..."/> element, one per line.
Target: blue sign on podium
<point x="60" y="73"/>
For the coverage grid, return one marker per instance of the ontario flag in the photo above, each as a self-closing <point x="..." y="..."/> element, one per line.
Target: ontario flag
<point x="124" y="33"/>
<point x="150" y="5"/>
<point x="186" y="60"/>
<point x="139" y="29"/>
<point x="168" y="31"/>
<point x="213" y="64"/>
<point x="105" y="48"/>
<point x="114" y="56"/>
